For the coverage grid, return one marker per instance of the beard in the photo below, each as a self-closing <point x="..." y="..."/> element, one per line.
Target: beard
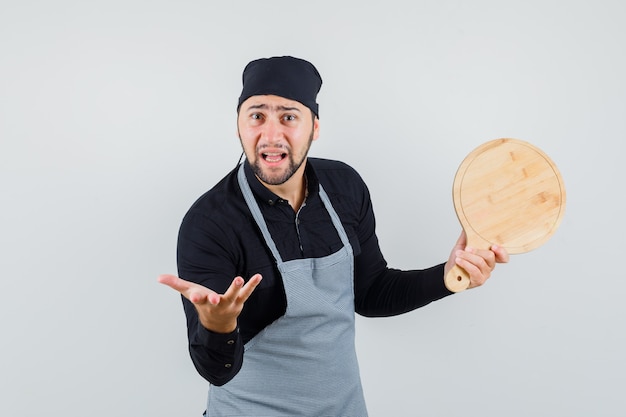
<point x="280" y="176"/>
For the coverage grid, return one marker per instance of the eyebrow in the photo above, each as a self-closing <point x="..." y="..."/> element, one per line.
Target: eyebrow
<point x="274" y="108"/>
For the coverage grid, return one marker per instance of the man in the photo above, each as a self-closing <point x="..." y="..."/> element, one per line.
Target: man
<point x="276" y="259"/>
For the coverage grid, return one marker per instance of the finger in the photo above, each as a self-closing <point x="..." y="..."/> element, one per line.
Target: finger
<point x="233" y="289"/>
<point x="477" y="263"/>
<point x="482" y="259"/>
<point x="200" y="296"/>
<point x="240" y="290"/>
<point x="489" y="255"/>
<point x="502" y="255"/>
<point x="250" y="286"/>
<point x="476" y="275"/>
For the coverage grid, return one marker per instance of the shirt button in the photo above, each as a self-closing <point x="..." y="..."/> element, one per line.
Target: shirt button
<point x="271" y="202"/>
<point x="228" y="365"/>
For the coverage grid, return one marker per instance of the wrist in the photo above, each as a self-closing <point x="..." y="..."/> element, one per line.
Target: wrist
<point x="221" y="328"/>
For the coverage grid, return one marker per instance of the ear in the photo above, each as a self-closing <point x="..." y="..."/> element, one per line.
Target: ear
<point x="316" y="128"/>
<point x="237" y="126"/>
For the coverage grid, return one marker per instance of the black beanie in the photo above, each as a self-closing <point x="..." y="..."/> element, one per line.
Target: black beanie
<point x="284" y="76"/>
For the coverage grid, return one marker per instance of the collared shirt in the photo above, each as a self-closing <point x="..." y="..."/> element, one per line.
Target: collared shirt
<point x="219" y="240"/>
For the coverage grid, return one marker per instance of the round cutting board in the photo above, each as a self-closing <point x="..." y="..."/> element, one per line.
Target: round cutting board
<point x="506" y="192"/>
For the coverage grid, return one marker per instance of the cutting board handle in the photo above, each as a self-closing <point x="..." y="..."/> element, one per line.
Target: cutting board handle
<point x="457" y="279"/>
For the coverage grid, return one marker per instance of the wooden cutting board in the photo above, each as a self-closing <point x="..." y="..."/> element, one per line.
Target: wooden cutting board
<point x="506" y="192"/>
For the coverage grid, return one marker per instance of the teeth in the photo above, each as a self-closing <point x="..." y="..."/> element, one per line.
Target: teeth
<point x="273" y="156"/>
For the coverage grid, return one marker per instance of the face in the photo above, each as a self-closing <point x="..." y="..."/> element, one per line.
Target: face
<point x="276" y="134"/>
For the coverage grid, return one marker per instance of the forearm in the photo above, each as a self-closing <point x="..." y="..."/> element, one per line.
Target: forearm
<point x="382" y="291"/>
<point x="394" y="292"/>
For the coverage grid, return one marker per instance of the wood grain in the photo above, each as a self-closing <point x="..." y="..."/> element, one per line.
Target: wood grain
<point x="506" y="192"/>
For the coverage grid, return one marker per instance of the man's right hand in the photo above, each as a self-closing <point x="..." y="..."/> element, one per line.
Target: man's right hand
<point x="216" y="312"/>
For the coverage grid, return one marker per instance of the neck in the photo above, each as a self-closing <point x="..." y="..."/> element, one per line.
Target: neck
<point x="292" y="190"/>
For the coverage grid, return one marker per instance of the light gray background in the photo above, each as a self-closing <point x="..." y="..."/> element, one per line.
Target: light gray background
<point x="116" y="115"/>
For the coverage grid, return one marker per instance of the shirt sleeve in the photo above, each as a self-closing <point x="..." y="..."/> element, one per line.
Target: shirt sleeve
<point x="201" y="259"/>
<point x="217" y="357"/>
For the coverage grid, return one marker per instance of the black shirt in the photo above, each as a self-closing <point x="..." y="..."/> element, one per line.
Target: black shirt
<point x="219" y="240"/>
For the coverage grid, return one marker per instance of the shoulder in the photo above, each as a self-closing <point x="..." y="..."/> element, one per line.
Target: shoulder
<point x="217" y="207"/>
<point x="332" y="173"/>
<point x="343" y="184"/>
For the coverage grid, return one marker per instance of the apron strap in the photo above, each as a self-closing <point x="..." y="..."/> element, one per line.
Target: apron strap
<point x="334" y="217"/>
<point x="256" y="213"/>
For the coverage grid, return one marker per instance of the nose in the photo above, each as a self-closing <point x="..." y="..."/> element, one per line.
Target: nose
<point x="272" y="132"/>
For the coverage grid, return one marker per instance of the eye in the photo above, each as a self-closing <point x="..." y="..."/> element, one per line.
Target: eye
<point x="255" y="116"/>
<point x="289" y="117"/>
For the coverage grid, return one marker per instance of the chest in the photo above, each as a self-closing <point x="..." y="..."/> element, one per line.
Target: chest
<point x="308" y="233"/>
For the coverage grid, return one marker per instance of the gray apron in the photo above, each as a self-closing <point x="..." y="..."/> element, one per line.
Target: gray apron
<point x="304" y="363"/>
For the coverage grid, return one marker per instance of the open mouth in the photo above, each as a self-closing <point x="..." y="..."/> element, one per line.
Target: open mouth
<point x="273" y="156"/>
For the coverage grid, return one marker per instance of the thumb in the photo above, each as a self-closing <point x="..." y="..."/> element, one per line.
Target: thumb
<point x="461" y="242"/>
<point x="171" y="281"/>
<point x="195" y="293"/>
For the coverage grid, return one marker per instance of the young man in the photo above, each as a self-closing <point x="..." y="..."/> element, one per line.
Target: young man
<point x="276" y="259"/>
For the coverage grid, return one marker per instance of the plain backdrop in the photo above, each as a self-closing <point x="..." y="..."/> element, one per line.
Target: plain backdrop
<point x="116" y="115"/>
